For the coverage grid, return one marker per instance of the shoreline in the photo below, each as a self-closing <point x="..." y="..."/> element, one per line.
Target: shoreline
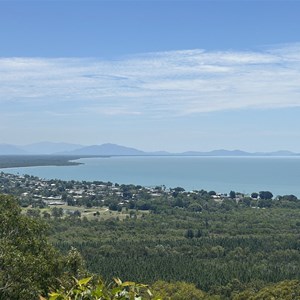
<point x="220" y="174"/>
<point x="19" y="161"/>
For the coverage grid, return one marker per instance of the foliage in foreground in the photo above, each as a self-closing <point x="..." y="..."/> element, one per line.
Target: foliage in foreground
<point x="29" y="264"/>
<point x="85" y="289"/>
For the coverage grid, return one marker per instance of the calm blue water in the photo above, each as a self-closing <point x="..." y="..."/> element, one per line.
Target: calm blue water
<point x="280" y="175"/>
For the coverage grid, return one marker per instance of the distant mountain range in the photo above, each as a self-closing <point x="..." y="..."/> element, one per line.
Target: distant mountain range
<point x="49" y="148"/>
<point x="37" y="148"/>
<point x="105" y="149"/>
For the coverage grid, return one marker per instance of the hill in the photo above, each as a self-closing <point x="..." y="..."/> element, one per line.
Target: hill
<point x="109" y="149"/>
<point x="6" y="149"/>
<point x="106" y="149"/>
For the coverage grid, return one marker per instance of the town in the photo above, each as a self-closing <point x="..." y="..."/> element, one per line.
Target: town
<point x="60" y="198"/>
<point x="40" y="193"/>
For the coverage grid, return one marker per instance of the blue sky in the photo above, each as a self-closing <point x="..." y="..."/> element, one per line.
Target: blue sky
<point x="156" y="75"/>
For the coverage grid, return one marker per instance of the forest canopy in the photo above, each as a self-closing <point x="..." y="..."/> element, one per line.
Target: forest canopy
<point x="182" y="245"/>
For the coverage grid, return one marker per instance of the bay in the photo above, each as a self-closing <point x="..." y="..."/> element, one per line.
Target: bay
<point x="280" y="175"/>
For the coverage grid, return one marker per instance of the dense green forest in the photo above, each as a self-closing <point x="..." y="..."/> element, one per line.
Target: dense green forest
<point x="183" y="245"/>
<point x="218" y="251"/>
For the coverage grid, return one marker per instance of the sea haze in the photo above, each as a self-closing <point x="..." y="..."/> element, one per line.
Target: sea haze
<point x="280" y="175"/>
<point x="108" y="149"/>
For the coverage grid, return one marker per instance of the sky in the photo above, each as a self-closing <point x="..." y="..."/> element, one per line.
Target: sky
<point x="155" y="75"/>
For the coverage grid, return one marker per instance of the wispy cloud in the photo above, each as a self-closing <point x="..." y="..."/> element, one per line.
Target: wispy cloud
<point x="154" y="84"/>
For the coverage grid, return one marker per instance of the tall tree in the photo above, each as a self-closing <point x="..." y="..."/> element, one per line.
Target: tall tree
<point x="28" y="263"/>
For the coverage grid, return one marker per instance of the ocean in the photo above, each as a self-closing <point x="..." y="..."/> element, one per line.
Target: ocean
<point x="280" y="175"/>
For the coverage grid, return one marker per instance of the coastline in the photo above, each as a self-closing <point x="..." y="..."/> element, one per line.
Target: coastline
<point x="18" y="161"/>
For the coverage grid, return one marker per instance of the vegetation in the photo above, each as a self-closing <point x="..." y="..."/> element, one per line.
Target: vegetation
<point x="86" y="289"/>
<point x="185" y="245"/>
<point x="13" y="161"/>
<point x="29" y="264"/>
<point x="252" y="246"/>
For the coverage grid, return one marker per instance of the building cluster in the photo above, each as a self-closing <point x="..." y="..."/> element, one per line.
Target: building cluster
<point x="59" y="192"/>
